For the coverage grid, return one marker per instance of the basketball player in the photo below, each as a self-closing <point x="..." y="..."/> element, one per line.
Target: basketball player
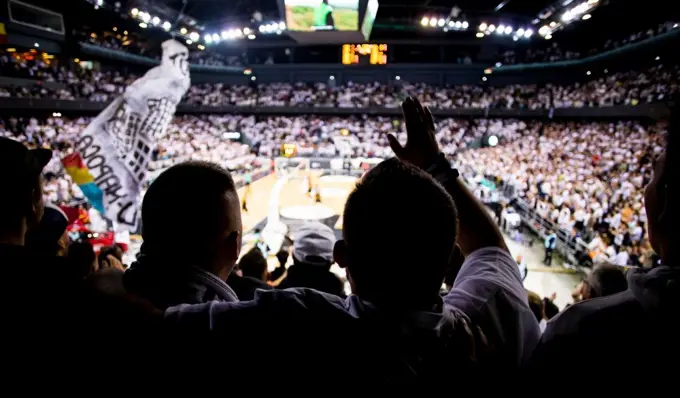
<point x="246" y="192"/>
<point x="310" y="186"/>
<point x="317" y="194"/>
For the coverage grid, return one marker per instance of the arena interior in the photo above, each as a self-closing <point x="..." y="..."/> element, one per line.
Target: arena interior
<point x="552" y="112"/>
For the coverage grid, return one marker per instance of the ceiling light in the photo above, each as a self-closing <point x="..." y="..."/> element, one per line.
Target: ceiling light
<point x="424" y="21"/>
<point x="194" y="36"/>
<point x="459" y="24"/>
<point x="134" y="12"/>
<point x="465" y="24"/>
<point x="251" y="37"/>
<point x="586" y="17"/>
<point x="183" y="31"/>
<point x="167" y="25"/>
<point x="588" y="73"/>
<point x="282" y="25"/>
<point x="498" y="64"/>
<point x="515" y="38"/>
<point x="246" y="31"/>
<point x="451" y="24"/>
<point x="480" y="34"/>
<point x="492" y="27"/>
<point x="189" y="42"/>
<point x="146" y="17"/>
<point x="528" y="33"/>
<point x="482" y="26"/>
<point x="433" y="22"/>
<point x="548" y="36"/>
<point x="225" y="34"/>
<point x="441" y="22"/>
<point x="201" y="47"/>
<point x="520" y="32"/>
<point x="143" y="25"/>
<point x="508" y="30"/>
<point x="215" y="37"/>
<point x="501" y="29"/>
<point x="155" y="20"/>
<point x="207" y="39"/>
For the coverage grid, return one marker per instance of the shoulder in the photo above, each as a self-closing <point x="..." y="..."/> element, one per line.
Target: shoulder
<point x="600" y="314"/>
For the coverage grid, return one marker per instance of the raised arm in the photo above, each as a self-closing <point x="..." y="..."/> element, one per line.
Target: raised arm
<point x="477" y="230"/>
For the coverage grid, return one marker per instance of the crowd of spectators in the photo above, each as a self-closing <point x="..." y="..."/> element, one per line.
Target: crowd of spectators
<point x="555" y="51"/>
<point x="626" y="88"/>
<point x="586" y="178"/>
<point x="483" y="323"/>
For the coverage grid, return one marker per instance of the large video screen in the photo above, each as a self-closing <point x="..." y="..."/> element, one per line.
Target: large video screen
<point x="322" y="15"/>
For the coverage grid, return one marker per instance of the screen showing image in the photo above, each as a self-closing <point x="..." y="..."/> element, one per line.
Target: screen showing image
<point x="369" y="19"/>
<point x="322" y="15"/>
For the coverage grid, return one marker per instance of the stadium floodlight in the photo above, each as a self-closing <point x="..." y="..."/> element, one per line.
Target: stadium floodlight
<point x="155" y="20"/>
<point x="167" y="25"/>
<point x="433" y="22"/>
<point x="207" y="39"/>
<point x="492" y="27"/>
<point x="441" y="22"/>
<point x="586" y="17"/>
<point x="528" y="33"/>
<point x="424" y="21"/>
<point x="508" y="30"/>
<point x="483" y="26"/>
<point x="520" y="32"/>
<point x="134" y="12"/>
<point x="465" y="24"/>
<point x="194" y="36"/>
<point x="215" y="37"/>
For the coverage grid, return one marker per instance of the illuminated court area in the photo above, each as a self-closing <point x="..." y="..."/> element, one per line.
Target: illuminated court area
<point x="292" y="199"/>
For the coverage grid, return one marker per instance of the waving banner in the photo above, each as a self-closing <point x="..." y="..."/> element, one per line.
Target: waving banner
<point x="112" y="155"/>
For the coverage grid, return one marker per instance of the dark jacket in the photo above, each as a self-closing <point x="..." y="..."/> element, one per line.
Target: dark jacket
<point x="314" y="277"/>
<point x="165" y="284"/>
<point x="245" y="286"/>
<point x="628" y="330"/>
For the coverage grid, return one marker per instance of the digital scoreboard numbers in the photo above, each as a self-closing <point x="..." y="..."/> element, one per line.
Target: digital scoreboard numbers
<point x="364" y="54"/>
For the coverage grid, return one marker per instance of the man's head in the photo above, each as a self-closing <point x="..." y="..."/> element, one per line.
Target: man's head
<point x="604" y="280"/>
<point x="313" y="245"/>
<point x="191" y="213"/>
<point x="254" y="265"/>
<point x="661" y="198"/>
<point x="21" y="202"/>
<point x="399" y="230"/>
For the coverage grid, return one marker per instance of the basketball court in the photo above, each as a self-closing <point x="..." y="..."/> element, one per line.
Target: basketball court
<point x="295" y="202"/>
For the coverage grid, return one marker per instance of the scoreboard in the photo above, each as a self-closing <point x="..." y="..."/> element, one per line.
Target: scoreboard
<point x="364" y="54"/>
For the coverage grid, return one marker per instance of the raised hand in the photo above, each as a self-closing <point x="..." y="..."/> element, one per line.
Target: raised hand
<point x="421" y="147"/>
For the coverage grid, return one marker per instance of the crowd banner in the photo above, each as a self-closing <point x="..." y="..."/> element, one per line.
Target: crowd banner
<point x="111" y="157"/>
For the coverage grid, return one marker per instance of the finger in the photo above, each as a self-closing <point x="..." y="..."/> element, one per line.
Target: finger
<point x="411" y="118"/>
<point x="429" y="118"/>
<point x="420" y="110"/>
<point x="395" y="145"/>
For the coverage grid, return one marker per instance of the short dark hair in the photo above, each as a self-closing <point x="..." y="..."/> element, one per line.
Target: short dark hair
<point x="605" y="280"/>
<point x="400" y="226"/>
<point x="183" y="207"/>
<point x="253" y="264"/>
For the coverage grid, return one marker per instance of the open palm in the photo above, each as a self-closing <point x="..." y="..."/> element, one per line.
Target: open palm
<point x="421" y="147"/>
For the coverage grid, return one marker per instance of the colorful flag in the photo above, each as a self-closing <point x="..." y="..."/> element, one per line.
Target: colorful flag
<point x="113" y="153"/>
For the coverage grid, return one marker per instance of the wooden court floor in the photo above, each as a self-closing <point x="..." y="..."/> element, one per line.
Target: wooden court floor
<point x="294" y="193"/>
